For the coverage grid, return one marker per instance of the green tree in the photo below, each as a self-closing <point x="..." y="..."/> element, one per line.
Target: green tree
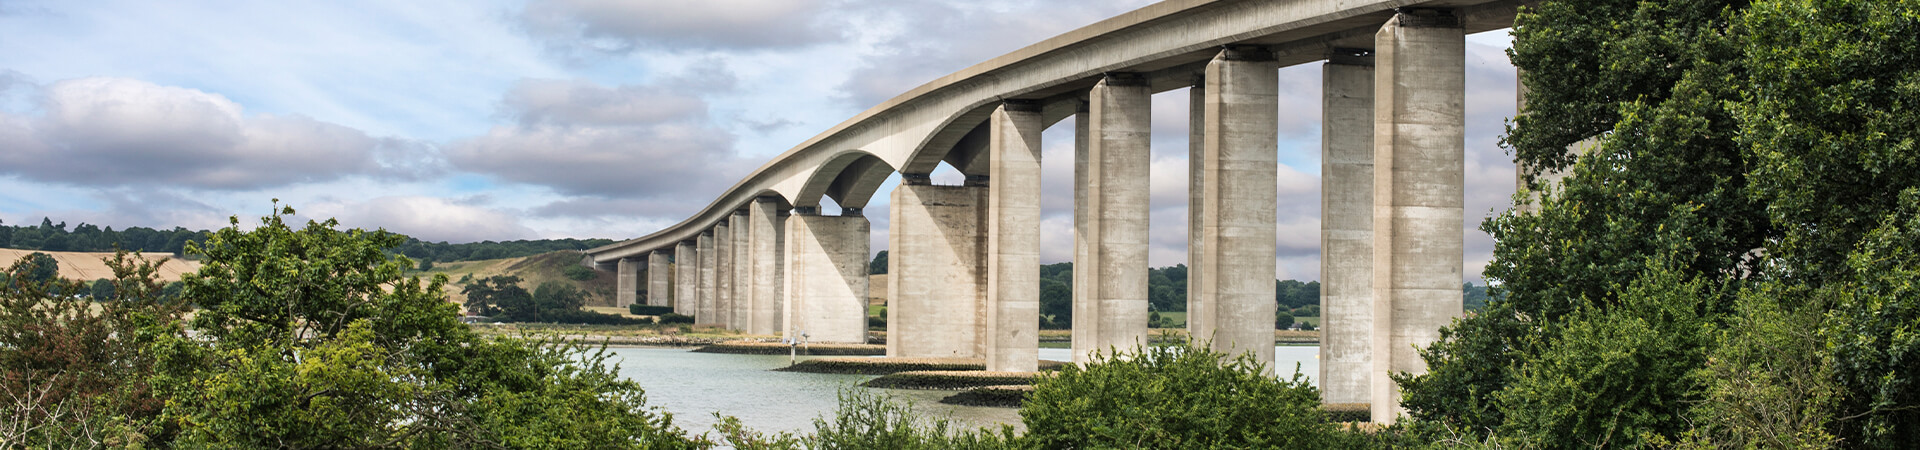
<point x="40" y="268"/>
<point x="879" y="264"/>
<point x="555" y="295"/>
<point x="315" y="338"/>
<point x="100" y="290"/>
<point x="500" y="296"/>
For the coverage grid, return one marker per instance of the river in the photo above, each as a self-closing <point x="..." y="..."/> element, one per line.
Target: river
<point x="693" y="386"/>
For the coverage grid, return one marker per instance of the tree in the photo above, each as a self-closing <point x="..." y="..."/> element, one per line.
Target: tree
<point x="554" y="295"/>
<point x="879" y="264"/>
<point x="1282" y="320"/>
<point x="40" y="268"/>
<point x="500" y="296"/>
<point x="315" y="338"/>
<point x="100" y="290"/>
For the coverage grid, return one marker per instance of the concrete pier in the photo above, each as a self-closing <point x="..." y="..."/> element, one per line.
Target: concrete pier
<point x="1116" y="214"/>
<point x="826" y="279"/>
<point x="739" y="314"/>
<point x="686" y="279"/>
<point x="1086" y="324"/>
<point x="766" y="231"/>
<point x="626" y="282"/>
<point x="659" y="279"/>
<point x="723" y="275"/>
<point x="937" y="270"/>
<point x="709" y="310"/>
<point x="1240" y="132"/>
<point x="1198" y="325"/>
<point x="1346" y="226"/>
<point x="1419" y="176"/>
<point x="1013" y="238"/>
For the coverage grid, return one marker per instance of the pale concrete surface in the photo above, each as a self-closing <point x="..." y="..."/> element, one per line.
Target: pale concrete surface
<point x="1199" y="321"/>
<point x="1013" y="238"/>
<point x="1346" y="229"/>
<point x="708" y="297"/>
<point x="627" y="282"/>
<point x="740" y="285"/>
<point x="937" y="272"/>
<point x="1086" y="323"/>
<point x="723" y="275"/>
<point x="686" y="279"/>
<point x="1419" y="180"/>
<point x="766" y="231"/>
<point x="1240" y="138"/>
<point x="659" y="279"/>
<point x="1116" y="208"/>
<point x="827" y="282"/>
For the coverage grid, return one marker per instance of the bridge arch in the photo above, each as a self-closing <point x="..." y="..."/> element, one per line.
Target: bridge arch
<point x="850" y="178"/>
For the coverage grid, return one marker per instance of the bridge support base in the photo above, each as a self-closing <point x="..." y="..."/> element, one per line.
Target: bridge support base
<point x="1240" y="156"/>
<point x="1013" y="239"/>
<point x="1419" y="179"/>
<point x="659" y="286"/>
<point x="627" y="282"/>
<point x="827" y="282"/>
<point x="1346" y="228"/>
<point x="766" y="247"/>
<point x="1113" y="303"/>
<point x="686" y="279"/>
<point x="937" y="269"/>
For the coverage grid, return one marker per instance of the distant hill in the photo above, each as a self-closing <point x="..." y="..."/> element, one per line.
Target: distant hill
<point x="532" y="270"/>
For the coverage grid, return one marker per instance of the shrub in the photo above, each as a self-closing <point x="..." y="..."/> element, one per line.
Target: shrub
<point x="648" y="310"/>
<point x="677" y="318"/>
<point x="580" y="273"/>
<point x="1175" y="397"/>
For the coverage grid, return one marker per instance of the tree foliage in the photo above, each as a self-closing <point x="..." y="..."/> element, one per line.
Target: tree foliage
<point x="1765" y="149"/>
<point x="307" y="337"/>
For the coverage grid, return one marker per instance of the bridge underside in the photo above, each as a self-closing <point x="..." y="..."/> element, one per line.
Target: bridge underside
<point x="964" y="259"/>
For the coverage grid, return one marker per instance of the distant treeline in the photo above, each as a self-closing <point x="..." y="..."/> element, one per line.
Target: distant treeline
<point x="55" y="237"/>
<point x="443" y="252"/>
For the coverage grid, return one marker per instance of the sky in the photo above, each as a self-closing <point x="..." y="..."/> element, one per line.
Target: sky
<point x="471" y="120"/>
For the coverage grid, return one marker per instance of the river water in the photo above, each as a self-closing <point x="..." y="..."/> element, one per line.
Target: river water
<point x="693" y="386"/>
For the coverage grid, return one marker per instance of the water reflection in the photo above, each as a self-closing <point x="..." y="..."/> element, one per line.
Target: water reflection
<point x="693" y="386"/>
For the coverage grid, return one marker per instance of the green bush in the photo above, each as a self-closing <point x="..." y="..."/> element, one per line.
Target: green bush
<point x="583" y="317"/>
<point x="648" y="310"/>
<point x="580" y="273"/>
<point x="1183" y="396"/>
<point x="676" y="318"/>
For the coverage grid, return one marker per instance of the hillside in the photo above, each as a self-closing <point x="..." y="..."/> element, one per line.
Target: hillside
<point x="532" y="270"/>
<point x="89" y="266"/>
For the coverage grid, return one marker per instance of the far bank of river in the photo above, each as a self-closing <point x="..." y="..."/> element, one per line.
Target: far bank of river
<point x="693" y="386"/>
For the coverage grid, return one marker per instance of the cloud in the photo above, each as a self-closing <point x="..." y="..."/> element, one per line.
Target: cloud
<point x="614" y="26"/>
<point x="426" y="218"/>
<point x="614" y="142"/>
<point x="908" y="43"/>
<point x="126" y="132"/>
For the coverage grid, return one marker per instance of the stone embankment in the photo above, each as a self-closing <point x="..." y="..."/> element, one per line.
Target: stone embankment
<point x="778" y="348"/>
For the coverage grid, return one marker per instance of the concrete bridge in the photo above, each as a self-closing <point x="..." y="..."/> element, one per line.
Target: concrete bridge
<point x="964" y="259"/>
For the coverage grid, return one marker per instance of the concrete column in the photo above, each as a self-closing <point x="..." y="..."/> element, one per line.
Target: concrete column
<point x="708" y="311"/>
<point x="766" y="233"/>
<point x="827" y="283"/>
<point x="1240" y="135"/>
<point x="659" y="276"/>
<point x="723" y="275"/>
<point x="1116" y="214"/>
<point x="740" y="312"/>
<point x="1013" y="238"/>
<point x="686" y="279"/>
<point x="1198" y="325"/>
<point x="1346" y="226"/>
<point x="627" y="286"/>
<point x="936" y="269"/>
<point x="1419" y="178"/>
<point x="1086" y="323"/>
